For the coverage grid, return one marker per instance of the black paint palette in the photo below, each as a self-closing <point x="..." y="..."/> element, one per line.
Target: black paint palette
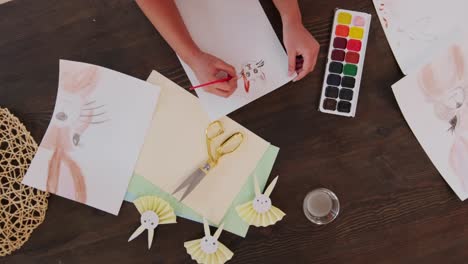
<point x="345" y="63"/>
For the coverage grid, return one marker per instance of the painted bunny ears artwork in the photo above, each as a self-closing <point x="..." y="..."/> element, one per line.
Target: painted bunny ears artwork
<point x="100" y="116"/>
<point x="446" y="91"/>
<point x="75" y="111"/>
<point x="260" y="211"/>
<point x="154" y="211"/>
<point x="208" y="250"/>
<point x="444" y="84"/>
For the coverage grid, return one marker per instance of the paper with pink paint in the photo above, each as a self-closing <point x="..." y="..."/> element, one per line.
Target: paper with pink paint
<point x="416" y="29"/>
<point x="434" y="102"/>
<point x="239" y="33"/>
<point x="98" y="127"/>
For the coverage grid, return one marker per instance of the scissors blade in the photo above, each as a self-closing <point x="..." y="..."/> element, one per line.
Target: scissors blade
<point x="183" y="184"/>
<point x="195" y="179"/>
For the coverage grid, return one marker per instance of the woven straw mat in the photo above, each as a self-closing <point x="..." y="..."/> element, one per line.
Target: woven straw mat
<point x="22" y="208"/>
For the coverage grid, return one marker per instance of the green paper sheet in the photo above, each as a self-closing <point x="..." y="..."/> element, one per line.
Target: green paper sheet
<point x="139" y="186"/>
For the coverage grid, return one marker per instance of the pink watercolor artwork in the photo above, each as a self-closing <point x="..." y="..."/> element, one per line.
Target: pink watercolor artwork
<point x="98" y="126"/>
<point x="446" y="90"/>
<point x="434" y="102"/>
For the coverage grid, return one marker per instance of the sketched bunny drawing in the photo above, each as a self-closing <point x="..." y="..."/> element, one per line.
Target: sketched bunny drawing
<point x="252" y="71"/>
<point x="73" y="114"/>
<point x="448" y="94"/>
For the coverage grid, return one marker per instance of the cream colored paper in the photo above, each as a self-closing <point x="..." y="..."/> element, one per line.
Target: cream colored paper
<point x="176" y="146"/>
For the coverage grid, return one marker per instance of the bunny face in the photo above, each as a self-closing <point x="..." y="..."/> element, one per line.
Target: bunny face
<point x="209" y="244"/>
<point x="149" y="220"/>
<point x="252" y="71"/>
<point x="450" y="106"/>
<point x="67" y="110"/>
<point x="261" y="203"/>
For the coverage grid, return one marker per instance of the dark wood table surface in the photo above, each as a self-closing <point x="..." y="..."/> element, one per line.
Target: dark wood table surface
<point x="395" y="207"/>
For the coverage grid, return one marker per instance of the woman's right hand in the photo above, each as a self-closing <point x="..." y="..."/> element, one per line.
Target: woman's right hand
<point x="209" y="68"/>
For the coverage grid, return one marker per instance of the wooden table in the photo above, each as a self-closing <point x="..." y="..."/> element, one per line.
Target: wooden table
<point x="395" y="206"/>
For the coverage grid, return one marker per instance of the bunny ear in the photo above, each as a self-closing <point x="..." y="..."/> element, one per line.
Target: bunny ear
<point x="246" y="83"/>
<point x="218" y="232"/>
<point x="206" y="226"/>
<point x="458" y="60"/>
<point x="457" y="158"/>
<point x="271" y="187"/>
<point x="137" y="232"/>
<point x="428" y="83"/>
<point x="150" y="237"/>
<point x="260" y="63"/>
<point x="78" y="78"/>
<point x="257" y="188"/>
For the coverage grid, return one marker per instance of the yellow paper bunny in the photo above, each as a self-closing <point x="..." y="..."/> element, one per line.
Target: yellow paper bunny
<point x="154" y="211"/>
<point x="208" y="250"/>
<point x="260" y="211"/>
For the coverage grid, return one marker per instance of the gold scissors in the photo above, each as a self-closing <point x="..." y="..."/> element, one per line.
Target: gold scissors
<point x="229" y="145"/>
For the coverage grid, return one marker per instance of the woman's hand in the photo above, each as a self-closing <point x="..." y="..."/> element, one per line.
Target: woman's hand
<point x="299" y="42"/>
<point x="209" y="68"/>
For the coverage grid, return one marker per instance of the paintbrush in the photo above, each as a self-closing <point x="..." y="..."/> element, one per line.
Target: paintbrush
<point x="227" y="79"/>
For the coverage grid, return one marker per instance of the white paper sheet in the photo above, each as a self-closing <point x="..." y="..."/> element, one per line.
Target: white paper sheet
<point x="416" y="29"/>
<point x="98" y="127"/>
<point x="240" y="33"/>
<point x="434" y="102"/>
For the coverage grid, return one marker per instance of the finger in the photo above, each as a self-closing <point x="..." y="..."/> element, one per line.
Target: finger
<point x="217" y="92"/>
<point x="233" y="83"/>
<point x="313" y="59"/>
<point x="221" y="65"/>
<point x="225" y="94"/>
<point x="230" y="93"/>
<point x="291" y="62"/>
<point x="225" y="86"/>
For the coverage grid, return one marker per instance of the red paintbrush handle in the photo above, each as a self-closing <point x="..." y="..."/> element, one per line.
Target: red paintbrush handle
<point x="227" y="79"/>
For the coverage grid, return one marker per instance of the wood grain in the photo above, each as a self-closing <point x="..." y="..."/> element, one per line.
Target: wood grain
<point x="395" y="206"/>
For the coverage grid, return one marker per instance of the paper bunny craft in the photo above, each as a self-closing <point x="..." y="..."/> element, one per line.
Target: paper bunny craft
<point x="252" y="71"/>
<point x="260" y="211"/>
<point x="74" y="112"/>
<point x="448" y="93"/>
<point x="208" y="250"/>
<point x="154" y="211"/>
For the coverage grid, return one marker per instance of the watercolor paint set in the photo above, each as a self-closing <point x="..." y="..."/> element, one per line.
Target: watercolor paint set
<point x="345" y="63"/>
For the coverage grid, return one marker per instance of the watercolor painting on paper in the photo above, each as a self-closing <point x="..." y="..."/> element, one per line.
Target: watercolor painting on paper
<point x="417" y="28"/>
<point x="239" y="33"/>
<point x="252" y="72"/>
<point x="98" y="126"/>
<point x="434" y="102"/>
